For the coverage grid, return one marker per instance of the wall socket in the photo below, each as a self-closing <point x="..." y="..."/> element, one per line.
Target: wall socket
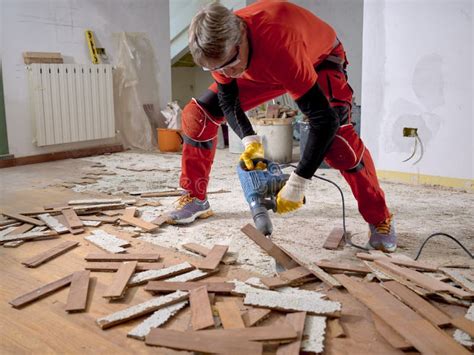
<point x="410" y="132"/>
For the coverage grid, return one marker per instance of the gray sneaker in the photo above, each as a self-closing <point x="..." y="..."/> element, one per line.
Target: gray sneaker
<point x="188" y="209"/>
<point x="382" y="236"/>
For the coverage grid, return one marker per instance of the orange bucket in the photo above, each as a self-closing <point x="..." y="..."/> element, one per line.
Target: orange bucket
<point x="169" y="140"/>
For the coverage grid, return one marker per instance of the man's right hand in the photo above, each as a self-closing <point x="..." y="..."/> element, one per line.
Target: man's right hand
<point x="253" y="150"/>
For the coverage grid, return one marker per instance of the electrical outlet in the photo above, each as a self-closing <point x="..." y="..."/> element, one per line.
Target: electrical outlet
<point x="410" y="132"/>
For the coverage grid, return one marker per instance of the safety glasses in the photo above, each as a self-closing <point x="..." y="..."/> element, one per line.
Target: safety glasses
<point x="230" y="63"/>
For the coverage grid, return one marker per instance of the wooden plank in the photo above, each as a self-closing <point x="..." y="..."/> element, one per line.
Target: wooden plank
<point x="335" y="239"/>
<point x="295" y="274"/>
<point x="296" y="320"/>
<point x="202" y="250"/>
<point x="459" y="278"/>
<point x="255" y="315"/>
<point x="141" y="309"/>
<point x="166" y="286"/>
<point x="201" y="312"/>
<point x="464" y="324"/>
<point x="197" y="341"/>
<point x="425" y="337"/>
<point x="21" y="229"/>
<point x="266" y="244"/>
<point x="105" y="219"/>
<point x="316" y="271"/>
<point x="122" y="257"/>
<point x="229" y="314"/>
<point x="337" y="266"/>
<point x="72" y="219"/>
<point x="22" y="218"/>
<point x="50" y="254"/>
<point x="29" y="236"/>
<point x="95" y="201"/>
<point x="40" y="292"/>
<point x="144" y="276"/>
<point x="114" y="266"/>
<point x="277" y="332"/>
<point x="390" y="335"/>
<point x="212" y="260"/>
<point x="117" y="288"/>
<point x="77" y="298"/>
<point x="274" y="282"/>
<point x="137" y="222"/>
<point x="161" y="219"/>
<point x="410" y="298"/>
<point x="423" y="280"/>
<point x="419" y="265"/>
<point x="130" y="212"/>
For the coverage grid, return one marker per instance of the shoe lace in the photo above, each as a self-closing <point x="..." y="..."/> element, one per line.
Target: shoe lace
<point x="183" y="201"/>
<point x="384" y="226"/>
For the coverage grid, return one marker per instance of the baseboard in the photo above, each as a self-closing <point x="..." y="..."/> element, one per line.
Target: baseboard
<point x="419" y="179"/>
<point x="77" y="153"/>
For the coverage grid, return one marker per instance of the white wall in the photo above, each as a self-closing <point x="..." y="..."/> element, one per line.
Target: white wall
<point x="345" y="16"/>
<point x="58" y="26"/>
<point x="417" y="72"/>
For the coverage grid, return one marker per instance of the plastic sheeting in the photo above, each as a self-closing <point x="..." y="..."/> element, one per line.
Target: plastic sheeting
<point x="136" y="87"/>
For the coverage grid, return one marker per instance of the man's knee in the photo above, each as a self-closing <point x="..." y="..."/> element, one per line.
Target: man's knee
<point x="198" y="124"/>
<point x="346" y="150"/>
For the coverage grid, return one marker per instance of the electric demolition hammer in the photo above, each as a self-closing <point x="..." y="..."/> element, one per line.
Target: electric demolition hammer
<point x="260" y="189"/>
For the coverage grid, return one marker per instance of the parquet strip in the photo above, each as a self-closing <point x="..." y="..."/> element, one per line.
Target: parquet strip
<point x="52" y="253"/>
<point x="229" y="314"/>
<point x="117" y="288"/>
<point x="40" y="292"/>
<point x="335" y="239"/>
<point x="271" y="248"/>
<point x="255" y="315"/>
<point x="212" y="260"/>
<point x="122" y="257"/>
<point x="23" y="218"/>
<point x="114" y="266"/>
<point x="297" y="321"/>
<point x="202" y="250"/>
<point x="197" y="341"/>
<point x="425" y="337"/>
<point x="166" y="286"/>
<point x="421" y="306"/>
<point x="77" y="298"/>
<point x="201" y="312"/>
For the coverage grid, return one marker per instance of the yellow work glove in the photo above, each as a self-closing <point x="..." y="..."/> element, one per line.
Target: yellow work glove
<point x="253" y="150"/>
<point x="291" y="196"/>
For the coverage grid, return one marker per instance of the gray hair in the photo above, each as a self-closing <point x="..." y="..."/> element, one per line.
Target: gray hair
<point x="213" y="32"/>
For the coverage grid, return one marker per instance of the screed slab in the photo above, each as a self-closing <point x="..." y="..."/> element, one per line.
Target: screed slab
<point x="157" y="319"/>
<point x="107" y="242"/>
<point x="144" y="276"/>
<point x="314" y="330"/>
<point x="462" y="337"/>
<point x="141" y="309"/>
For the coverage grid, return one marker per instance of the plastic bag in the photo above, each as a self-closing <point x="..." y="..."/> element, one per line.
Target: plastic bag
<point x="172" y="114"/>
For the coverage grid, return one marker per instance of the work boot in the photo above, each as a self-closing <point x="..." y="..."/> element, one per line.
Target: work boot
<point x="188" y="209"/>
<point x="382" y="236"/>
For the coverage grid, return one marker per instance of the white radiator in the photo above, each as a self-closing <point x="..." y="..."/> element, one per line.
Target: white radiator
<point x="71" y="102"/>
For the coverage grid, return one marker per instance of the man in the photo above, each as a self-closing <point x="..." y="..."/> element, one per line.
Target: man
<point x="258" y="53"/>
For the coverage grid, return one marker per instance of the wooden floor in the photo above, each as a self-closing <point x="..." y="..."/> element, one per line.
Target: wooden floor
<point x="44" y="326"/>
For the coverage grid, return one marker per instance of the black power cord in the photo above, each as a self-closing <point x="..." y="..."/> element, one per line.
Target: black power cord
<point x="349" y="241"/>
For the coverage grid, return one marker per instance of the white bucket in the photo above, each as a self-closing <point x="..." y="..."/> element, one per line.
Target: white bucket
<point x="277" y="134"/>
